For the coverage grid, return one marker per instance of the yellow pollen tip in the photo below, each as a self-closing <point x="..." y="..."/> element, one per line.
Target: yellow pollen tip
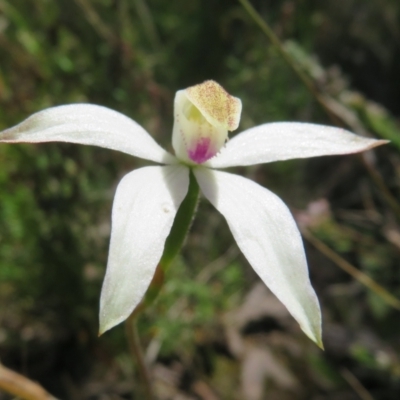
<point x="215" y="104"/>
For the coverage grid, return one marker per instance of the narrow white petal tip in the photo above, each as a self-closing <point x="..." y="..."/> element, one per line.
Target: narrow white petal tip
<point x="103" y="327"/>
<point x="376" y="143"/>
<point x="108" y="322"/>
<point x="314" y="332"/>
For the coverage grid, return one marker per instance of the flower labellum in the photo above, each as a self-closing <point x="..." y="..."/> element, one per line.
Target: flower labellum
<point x="203" y="116"/>
<point x="147" y="199"/>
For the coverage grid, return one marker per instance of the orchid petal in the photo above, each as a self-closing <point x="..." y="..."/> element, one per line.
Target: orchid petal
<point x="286" y="140"/>
<point x="144" y="209"/>
<point x="266" y="233"/>
<point x="88" y="124"/>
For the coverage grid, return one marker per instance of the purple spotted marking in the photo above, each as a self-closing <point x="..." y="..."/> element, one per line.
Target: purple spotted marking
<point x="201" y="152"/>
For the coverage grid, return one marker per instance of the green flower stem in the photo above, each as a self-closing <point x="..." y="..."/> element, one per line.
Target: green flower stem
<point x="173" y="244"/>
<point x="182" y="223"/>
<point x="175" y="239"/>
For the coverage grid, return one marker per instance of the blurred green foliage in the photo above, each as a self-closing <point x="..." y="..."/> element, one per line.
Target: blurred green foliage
<point x="55" y="199"/>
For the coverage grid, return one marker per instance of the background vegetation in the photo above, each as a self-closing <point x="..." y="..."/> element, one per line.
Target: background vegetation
<point x="215" y="332"/>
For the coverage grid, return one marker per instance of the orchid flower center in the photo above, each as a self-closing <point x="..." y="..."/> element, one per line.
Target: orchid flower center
<point x="203" y="116"/>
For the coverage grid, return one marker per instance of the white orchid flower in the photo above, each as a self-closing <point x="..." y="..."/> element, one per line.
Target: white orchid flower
<point x="147" y="199"/>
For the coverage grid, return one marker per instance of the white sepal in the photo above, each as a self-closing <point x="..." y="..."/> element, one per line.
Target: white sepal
<point x="266" y="233"/>
<point x="88" y="124"/>
<point x="286" y="140"/>
<point x="144" y="209"/>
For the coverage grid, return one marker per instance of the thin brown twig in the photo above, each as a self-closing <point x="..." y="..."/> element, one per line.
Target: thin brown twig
<point x="132" y="333"/>
<point x="20" y="386"/>
<point x="218" y="264"/>
<point x="308" y="83"/>
<point x="97" y="23"/>
<point x="356" y="385"/>
<point x="149" y="26"/>
<point x="379" y="182"/>
<point x="137" y="354"/>
<point x="351" y="270"/>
